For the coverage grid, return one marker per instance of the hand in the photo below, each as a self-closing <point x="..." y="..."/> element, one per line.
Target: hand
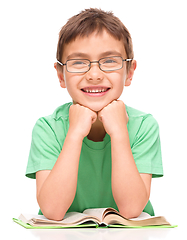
<point x="81" y="120"/>
<point x="114" y="117"/>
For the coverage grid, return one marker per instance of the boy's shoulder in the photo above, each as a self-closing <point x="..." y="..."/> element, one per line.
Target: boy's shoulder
<point x="62" y="112"/>
<point x="139" y="118"/>
<point x="132" y="112"/>
<point x="141" y="126"/>
<point x="56" y="121"/>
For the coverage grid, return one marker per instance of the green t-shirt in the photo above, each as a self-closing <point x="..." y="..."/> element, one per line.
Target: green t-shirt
<point x="94" y="175"/>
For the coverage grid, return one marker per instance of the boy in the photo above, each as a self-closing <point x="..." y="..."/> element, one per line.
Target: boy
<point x="95" y="152"/>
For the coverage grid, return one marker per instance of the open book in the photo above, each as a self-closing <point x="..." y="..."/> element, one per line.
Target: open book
<point x="105" y="217"/>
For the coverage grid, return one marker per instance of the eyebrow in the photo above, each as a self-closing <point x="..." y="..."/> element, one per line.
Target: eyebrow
<point x="84" y="55"/>
<point x="77" y="54"/>
<point x="111" y="53"/>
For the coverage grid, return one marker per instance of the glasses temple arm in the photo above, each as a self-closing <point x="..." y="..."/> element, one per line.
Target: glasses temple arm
<point x="128" y="60"/>
<point x="62" y="64"/>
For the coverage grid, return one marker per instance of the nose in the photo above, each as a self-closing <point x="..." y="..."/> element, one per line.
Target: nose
<point x="95" y="73"/>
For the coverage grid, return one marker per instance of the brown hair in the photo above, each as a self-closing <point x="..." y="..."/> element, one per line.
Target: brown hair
<point x="89" y="21"/>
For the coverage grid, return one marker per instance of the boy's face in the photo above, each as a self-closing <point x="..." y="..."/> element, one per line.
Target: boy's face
<point x="95" y="89"/>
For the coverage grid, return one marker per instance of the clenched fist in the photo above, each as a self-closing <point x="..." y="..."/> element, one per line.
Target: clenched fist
<point x="114" y="117"/>
<point x="81" y="120"/>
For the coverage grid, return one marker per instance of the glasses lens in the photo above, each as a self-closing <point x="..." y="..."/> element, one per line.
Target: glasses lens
<point x="111" y="63"/>
<point x="78" y="65"/>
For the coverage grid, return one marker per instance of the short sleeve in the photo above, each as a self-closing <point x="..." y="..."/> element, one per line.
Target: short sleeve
<point x="44" y="150"/>
<point x="146" y="148"/>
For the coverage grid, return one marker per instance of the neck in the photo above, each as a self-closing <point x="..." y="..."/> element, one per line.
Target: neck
<point x="97" y="132"/>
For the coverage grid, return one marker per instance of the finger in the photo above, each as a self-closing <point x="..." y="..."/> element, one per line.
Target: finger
<point x="100" y="117"/>
<point x="93" y="119"/>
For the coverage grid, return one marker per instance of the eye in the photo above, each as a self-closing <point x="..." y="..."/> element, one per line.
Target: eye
<point x="77" y="63"/>
<point x="74" y="63"/>
<point x="108" y="61"/>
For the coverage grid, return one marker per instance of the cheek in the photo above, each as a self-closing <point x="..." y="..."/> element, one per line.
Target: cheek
<point x="72" y="83"/>
<point x="118" y="79"/>
<point x="67" y="80"/>
<point x="118" y="82"/>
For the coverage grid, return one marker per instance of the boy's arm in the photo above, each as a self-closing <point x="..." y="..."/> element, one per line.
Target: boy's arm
<point x="56" y="188"/>
<point x="131" y="190"/>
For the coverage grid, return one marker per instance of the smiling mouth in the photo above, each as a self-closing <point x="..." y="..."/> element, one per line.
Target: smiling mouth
<point x="95" y="89"/>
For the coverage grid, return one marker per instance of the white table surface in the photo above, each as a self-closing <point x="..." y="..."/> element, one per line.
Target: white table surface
<point x="15" y="231"/>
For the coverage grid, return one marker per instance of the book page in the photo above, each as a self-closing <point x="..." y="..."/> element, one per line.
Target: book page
<point x="112" y="219"/>
<point x="96" y="212"/>
<point x="72" y="218"/>
<point x="27" y="217"/>
<point x="142" y="216"/>
<point x="68" y="218"/>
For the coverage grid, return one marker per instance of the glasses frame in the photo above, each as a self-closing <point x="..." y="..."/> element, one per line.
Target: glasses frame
<point x="123" y="60"/>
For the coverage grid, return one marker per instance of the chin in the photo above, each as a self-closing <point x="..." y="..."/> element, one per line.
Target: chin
<point x="95" y="108"/>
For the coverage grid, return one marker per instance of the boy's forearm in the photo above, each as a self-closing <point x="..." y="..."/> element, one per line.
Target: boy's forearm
<point x="128" y="188"/>
<point x="58" y="190"/>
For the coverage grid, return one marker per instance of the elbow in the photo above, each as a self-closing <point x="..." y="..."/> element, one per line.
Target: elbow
<point x="50" y="211"/>
<point x="52" y="214"/>
<point x="130" y="213"/>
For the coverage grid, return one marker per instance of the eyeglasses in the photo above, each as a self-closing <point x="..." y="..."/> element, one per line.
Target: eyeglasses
<point x="106" y="64"/>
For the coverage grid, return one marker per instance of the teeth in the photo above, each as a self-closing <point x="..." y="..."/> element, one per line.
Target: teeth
<point x="95" y="90"/>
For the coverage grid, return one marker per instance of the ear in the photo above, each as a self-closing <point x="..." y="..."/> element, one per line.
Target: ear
<point x="60" y="76"/>
<point x="130" y="73"/>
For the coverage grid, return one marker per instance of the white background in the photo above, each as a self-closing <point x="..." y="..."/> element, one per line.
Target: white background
<point x="30" y="89"/>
